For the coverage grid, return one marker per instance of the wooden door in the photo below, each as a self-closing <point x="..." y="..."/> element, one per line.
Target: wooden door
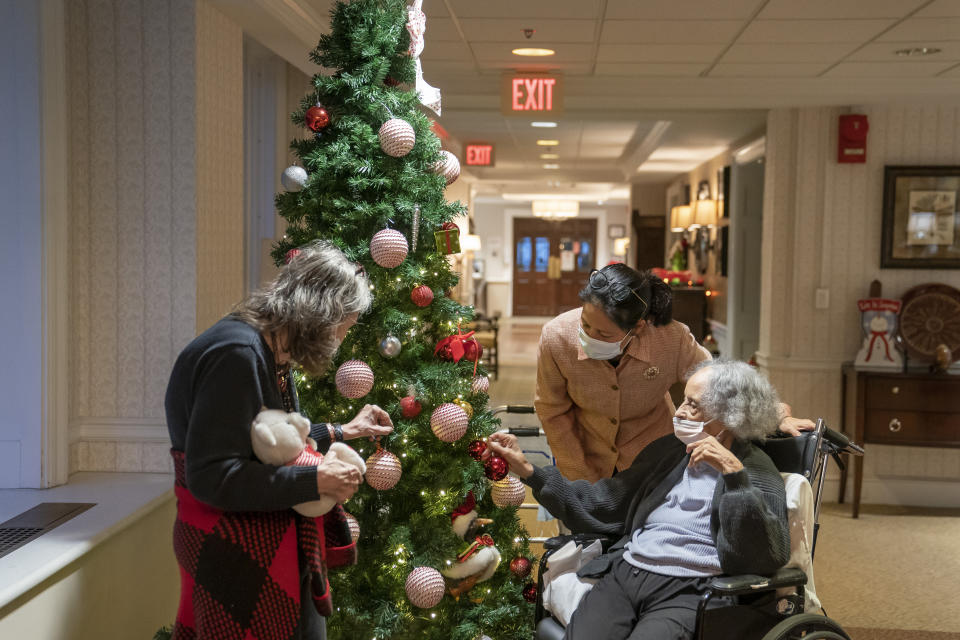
<point x="552" y="261"/>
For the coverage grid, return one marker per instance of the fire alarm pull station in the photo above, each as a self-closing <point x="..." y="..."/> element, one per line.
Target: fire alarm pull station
<point x="852" y="138"/>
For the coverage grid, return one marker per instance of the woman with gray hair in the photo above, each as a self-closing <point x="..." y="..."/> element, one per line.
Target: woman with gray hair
<point x="698" y="503"/>
<point x="245" y="556"/>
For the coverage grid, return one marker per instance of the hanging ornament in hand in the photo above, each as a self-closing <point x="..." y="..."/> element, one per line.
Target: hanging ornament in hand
<point x="317" y="118"/>
<point x="388" y="248"/>
<point x="476" y="448"/>
<point x="409" y="407"/>
<point x="425" y="587"/>
<point x="383" y="470"/>
<point x="520" y="567"/>
<point x="481" y="384"/>
<point x="447" y="239"/>
<point x="294" y="178"/>
<point x="449" y="422"/>
<point x="508" y="492"/>
<point x="415" y="231"/>
<point x="447" y="166"/>
<point x="390" y="347"/>
<point x="293" y="253"/>
<point x="530" y="592"/>
<point x="396" y="137"/>
<point x="466" y="406"/>
<point x="422" y="296"/>
<point x="495" y="468"/>
<point x="354" y="379"/>
<point x="354" y="527"/>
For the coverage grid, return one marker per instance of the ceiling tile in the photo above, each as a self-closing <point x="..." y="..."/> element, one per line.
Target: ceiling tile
<point x="818" y="31"/>
<point x="775" y="70"/>
<point x="508" y="9"/>
<point x="788" y="52"/>
<point x="686" y="10"/>
<point x="661" y="69"/>
<point x="888" y="69"/>
<point x="607" y="151"/>
<point x="446" y="52"/>
<point x="924" y="29"/>
<point x="854" y="9"/>
<point x="952" y="71"/>
<point x="669" y="31"/>
<point x="940" y="9"/>
<point x="511" y="30"/>
<point x="658" y="52"/>
<point x="441" y="29"/>
<point x="885" y="51"/>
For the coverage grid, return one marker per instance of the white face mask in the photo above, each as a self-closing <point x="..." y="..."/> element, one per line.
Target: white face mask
<point x="600" y="350"/>
<point x="689" y="431"/>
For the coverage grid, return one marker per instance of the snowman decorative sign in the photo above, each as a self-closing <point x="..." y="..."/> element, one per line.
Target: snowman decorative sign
<point x="879" y="322"/>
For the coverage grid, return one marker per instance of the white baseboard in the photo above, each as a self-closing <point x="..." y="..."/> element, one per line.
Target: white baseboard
<point x="120" y="430"/>
<point x="899" y="491"/>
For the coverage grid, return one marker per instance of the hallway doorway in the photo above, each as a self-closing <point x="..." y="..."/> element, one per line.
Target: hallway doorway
<point x="552" y="262"/>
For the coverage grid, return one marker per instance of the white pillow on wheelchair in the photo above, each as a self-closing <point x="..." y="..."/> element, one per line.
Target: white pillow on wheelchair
<point x="562" y="588"/>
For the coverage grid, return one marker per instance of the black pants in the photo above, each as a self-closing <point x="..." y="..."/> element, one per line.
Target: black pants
<point x="632" y="604"/>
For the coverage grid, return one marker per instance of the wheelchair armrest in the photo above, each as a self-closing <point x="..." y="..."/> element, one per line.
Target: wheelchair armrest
<point x="748" y="583"/>
<point x="580" y="538"/>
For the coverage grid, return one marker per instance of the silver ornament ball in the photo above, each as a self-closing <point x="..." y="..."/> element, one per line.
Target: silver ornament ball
<point x="390" y="347"/>
<point x="294" y="178"/>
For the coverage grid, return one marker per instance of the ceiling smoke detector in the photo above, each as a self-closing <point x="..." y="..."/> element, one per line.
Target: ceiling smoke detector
<point x="528" y="33"/>
<point x="917" y="51"/>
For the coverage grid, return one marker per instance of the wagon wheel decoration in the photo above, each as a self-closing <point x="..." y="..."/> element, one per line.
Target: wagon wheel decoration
<point x="931" y="317"/>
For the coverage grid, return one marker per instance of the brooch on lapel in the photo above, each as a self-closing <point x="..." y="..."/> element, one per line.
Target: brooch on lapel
<point x="651" y="373"/>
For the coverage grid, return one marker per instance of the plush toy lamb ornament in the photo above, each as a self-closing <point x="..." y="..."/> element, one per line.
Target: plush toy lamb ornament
<point x="280" y="438"/>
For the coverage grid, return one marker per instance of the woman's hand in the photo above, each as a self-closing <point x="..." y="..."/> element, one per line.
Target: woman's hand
<point x="506" y="446"/>
<point x="794" y="426"/>
<point x="370" y="422"/>
<point x="716" y="455"/>
<point x="338" y="479"/>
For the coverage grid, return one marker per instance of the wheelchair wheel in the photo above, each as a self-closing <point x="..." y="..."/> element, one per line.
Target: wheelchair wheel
<point x="807" y="626"/>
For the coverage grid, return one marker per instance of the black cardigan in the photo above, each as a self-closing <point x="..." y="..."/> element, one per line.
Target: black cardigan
<point x="748" y="517"/>
<point x="220" y="382"/>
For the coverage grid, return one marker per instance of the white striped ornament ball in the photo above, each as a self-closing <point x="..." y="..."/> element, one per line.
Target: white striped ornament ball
<point x="449" y="422"/>
<point x="508" y="492"/>
<point x="388" y="248"/>
<point x="447" y="166"/>
<point x="354" y="526"/>
<point x="354" y="379"/>
<point x="425" y="587"/>
<point x="383" y="470"/>
<point x="396" y="137"/>
<point x="481" y="384"/>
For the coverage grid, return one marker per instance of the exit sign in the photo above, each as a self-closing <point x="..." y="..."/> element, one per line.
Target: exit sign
<point x="479" y="154"/>
<point x="532" y="94"/>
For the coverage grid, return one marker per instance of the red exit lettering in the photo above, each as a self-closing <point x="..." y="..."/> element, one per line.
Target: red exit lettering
<point x="480" y="155"/>
<point x="532" y="94"/>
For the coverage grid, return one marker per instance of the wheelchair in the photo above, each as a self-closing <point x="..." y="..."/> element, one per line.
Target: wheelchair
<point x="763" y="607"/>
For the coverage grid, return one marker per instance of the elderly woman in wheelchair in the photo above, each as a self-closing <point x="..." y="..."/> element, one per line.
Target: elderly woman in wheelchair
<point x="703" y="502"/>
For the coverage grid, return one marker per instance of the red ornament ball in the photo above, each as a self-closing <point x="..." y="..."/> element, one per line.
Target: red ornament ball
<point x="495" y="468"/>
<point x="317" y="118"/>
<point x="422" y="296"/>
<point x="472" y="350"/>
<point x="293" y="253"/>
<point x="476" y="449"/>
<point x="530" y="592"/>
<point x="520" y="567"/>
<point x="409" y="407"/>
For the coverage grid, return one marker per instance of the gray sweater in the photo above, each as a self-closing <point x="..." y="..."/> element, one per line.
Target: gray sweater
<point x="748" y="518"/>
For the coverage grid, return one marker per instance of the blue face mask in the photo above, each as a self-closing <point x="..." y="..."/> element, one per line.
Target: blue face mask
<point x="689" y="431"/>
<point x="600" y="350"/>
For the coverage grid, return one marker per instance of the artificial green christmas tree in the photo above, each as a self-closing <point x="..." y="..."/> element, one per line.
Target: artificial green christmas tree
<point x="371" y="179"/>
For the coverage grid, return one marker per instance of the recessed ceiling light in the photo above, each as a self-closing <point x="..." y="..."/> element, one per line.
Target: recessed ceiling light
<point x="545" y="125"/>
<point x="551" y="166"/>
<point x="532" y="51"/>
<point x="917" y="51"/>
<point x="548" y="143"/>
<point x="549" y="156"/>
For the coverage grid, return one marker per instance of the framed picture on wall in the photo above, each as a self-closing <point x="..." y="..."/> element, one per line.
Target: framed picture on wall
<point x="921" y="225"/>
<point x="616" y="231"/>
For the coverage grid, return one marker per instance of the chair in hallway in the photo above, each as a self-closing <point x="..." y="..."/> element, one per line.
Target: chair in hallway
<point x="487" y="330"/>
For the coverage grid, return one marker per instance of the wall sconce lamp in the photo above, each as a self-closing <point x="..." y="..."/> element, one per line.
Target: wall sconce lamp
<point x="681" y="218"/>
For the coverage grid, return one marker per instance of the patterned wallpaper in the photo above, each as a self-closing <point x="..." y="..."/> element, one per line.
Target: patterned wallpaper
<point x="137" y="135"/>
<point x="822" y="229"/>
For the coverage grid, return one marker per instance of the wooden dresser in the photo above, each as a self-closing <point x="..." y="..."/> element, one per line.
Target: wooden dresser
<point x="899" y="409"/>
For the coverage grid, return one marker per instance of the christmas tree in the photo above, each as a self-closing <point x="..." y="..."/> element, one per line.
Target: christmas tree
<point x="371" y="179"/>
